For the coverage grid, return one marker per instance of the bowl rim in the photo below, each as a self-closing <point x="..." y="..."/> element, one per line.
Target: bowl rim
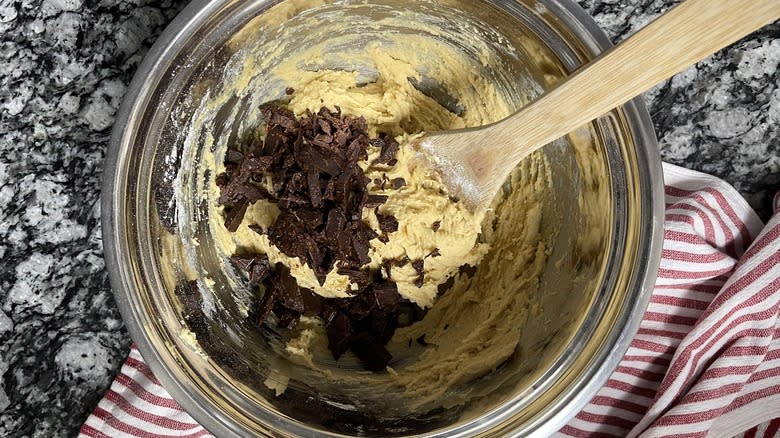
<point x="139" y="93"/>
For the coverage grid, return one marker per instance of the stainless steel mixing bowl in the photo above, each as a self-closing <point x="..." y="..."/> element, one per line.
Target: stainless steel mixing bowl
<point x="156" y="239"/>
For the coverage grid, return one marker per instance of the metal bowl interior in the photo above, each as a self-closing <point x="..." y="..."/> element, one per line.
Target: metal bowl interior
<point x="585" y="314"/>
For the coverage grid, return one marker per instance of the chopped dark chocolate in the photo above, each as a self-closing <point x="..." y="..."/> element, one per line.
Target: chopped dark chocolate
<point x="371" y="352"/>
<point x="386" y="296"/>
<point x="234" y="216"/>
<point x="434" y="253"/>
<point x="373" y="201"/>
<point x="256" y="267"/>
<point x="321" y="192"/>
<point x="468" y="270"/>
<point x="435" y="226"/>
<point x="316" y="182"/>
<point x="387" y="223"/>
<point x="382" y="182"/>
<point x="419" y="267"/>
<point x="403" y="261"/>
<point x="264" y="309"/>
<point x="388" y="152"/>
<point x="397" y="183"/>
<point x="339" y="329"/>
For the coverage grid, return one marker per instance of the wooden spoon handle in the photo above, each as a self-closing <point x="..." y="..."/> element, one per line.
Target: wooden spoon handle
<point x="680" y="38"/>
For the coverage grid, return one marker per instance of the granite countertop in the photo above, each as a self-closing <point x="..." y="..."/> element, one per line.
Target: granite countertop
<point x="64" y="68"/>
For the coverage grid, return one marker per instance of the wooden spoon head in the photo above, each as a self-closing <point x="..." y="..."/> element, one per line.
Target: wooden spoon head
<point x="468" y="172"/>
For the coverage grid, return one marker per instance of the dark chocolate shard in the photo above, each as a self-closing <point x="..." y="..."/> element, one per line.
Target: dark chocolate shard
<point x="434" y="253"/>
<point x="264" y="309"/>
<point x="190" y="297"/>
<point x="388" y="152"/>
<point x="321" y="191"/>
<point x="339" y="329"/>
<point x="419" y="267"/>
<point x="312" y="303"/>
<point x="386" y="296"/>
<point x="287" y="318"/>
<point x="467" y="270"/>
<point x="373" y="201"/>
<point x="435" y="226"/>
<point x="357" y="276"/>
<point x="257" y="267"/>
<point x="447" y="285"/>
<point x="371" y="352"/>
<point x="234" y="216"/>
<point x="287" y="292"/>
<point x="387" y="223"/>
<point x="397" y="183"/>
<point x="401" y="262"/>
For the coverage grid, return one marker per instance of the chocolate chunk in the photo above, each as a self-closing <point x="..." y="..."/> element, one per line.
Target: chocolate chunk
<point x="388" y="152"/>
<point x="397" y="183"/>
<point x="256" y="266"/>
<point x="287" y="318"/>
<point x="315" y="191"/>
<point x="434" y="253"/>
<point x="447" y="285"/>
<point x="361" y="306"/>
<point x="373" y="201"/>
<point x="339" y="329"/>
<point x="419" y="267"/>
<point x="387" y="223"/>
<point x="401" y="262"/>
<point x="371" y="352"/>
<point x="286" y="289"/>
<point x="468" y="270"/>
<point x="382" y="183"/>
<point x="360" y="244"/>
<point x="263" y="311"/>
<point x="289" y="91"/>
<point x="388" y="265"/>
<point x="358" y="276"/>
<point x="234" y="216"/>
<point x="386" y="296"/>
<point x="312" y="303"/>
<point x="321" y="192"/>
<point x="280" y="117"/>
<point x="435" y="226"/>
<point x="421" y="341"/>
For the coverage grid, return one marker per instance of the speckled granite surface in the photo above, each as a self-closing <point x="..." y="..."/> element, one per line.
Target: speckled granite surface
<point x="64" y="67"/>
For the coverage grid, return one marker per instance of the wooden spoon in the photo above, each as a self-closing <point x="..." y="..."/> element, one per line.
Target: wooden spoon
<point x="475" y="162"/>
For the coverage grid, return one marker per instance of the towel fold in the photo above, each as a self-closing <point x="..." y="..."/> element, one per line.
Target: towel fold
<point x="705" y="362"/>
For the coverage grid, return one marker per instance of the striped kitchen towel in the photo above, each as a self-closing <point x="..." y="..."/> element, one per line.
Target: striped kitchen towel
<point x="705" y="362"/>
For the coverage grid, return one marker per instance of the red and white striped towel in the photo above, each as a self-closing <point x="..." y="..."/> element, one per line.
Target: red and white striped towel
<point x="706" y="360"/>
